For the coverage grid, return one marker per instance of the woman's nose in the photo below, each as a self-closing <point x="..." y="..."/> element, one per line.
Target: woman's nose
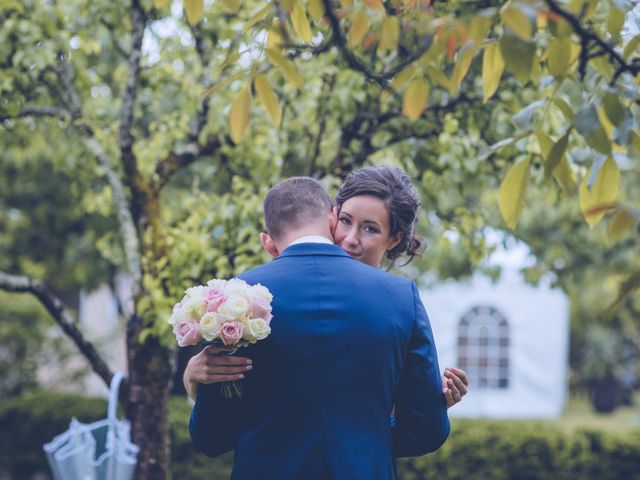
<point x="352" y="237"/>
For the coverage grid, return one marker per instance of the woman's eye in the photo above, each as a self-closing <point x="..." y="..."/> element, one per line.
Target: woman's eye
<point x="371" y="230"/>
<point x="344" y="220"/>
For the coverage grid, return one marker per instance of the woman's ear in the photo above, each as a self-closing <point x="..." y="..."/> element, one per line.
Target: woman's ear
<point x="393" y="242"/>
<point x="269" y="245"/>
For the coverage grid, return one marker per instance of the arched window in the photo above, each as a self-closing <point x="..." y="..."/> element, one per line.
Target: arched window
<point x="483" y="347"/>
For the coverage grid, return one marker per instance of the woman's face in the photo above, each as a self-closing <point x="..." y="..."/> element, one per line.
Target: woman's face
<point x="363" y="229"/>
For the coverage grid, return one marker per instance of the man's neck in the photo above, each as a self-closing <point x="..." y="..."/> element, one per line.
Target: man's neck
<point x="293" y="236"/>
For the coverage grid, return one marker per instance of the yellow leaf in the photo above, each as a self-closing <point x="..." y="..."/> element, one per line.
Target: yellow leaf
<point x="316" y="9"/>
<point x="415" y="98"/>
<point x="479" y="28"/>
<point x="274" y="36"/>
<point x="564" y="176"/>
<point x="461" y="68"/>
<point x="232" y="5"/>
<point x="512" y="191"/>
<point x="359" y="27"/>
<point x="194" y="10"/>
<point x="398" y="81"/>
<point x="300" y="22"/>
<point x="492" y="69"/>
<point x="439" y="77"/>
<point x="518" y="22"/>
<point x="287" y="5"/>
<point x="223" y="82"/>
<point x="239" y="115"/>
<point x="261" y="14"/>
<point x="603" y="192"/>
<point x="620" y="223"/>
<point x="375" y="5"/>
<point x="559" y="56"/>
<point x="389" y="34"/>
<point x="288" y="69"/>
<point x="346" y="4"/>
<point x="161" y="3"/>
<point x="268" y="98"/>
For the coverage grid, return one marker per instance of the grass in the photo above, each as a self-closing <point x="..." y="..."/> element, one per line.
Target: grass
<point x="579" y="415"/>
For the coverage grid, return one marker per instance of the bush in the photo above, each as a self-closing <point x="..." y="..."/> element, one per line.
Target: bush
<point x="476" y="449"/>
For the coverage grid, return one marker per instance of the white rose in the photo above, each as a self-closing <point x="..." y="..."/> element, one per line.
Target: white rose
<point x="235" y="307"/>
<point x="193" y="308"/>
<point x="210" y="325"/>
<point x="237" y="287"/>
<point x="197" y="291"/>
<point x="261" y="292"/>
<point x="256" y="329"/>
<point x="216" y="283"/>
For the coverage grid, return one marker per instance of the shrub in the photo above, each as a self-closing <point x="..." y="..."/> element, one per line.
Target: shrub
<point x="476" y="449"/>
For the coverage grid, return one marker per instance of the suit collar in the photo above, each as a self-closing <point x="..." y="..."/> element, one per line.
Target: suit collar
<point x="313" y="249"/>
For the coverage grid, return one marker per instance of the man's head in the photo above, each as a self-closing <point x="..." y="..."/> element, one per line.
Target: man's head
<point x="293" y="208"/>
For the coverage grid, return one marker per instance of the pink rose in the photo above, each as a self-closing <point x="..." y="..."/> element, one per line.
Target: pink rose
<point x="187" y="333"/>
<point x="261" y="309"/>
<point x="231" y="333"/>
<point x="214" y="298"/>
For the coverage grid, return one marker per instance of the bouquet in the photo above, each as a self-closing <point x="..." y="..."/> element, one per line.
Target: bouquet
<point x="229" y="312"/>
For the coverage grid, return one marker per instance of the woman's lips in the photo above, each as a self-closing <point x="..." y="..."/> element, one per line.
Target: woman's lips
<point x="353" y="254"/>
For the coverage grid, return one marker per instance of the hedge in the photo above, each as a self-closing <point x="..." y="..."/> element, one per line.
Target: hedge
<point x="476" y="449"/>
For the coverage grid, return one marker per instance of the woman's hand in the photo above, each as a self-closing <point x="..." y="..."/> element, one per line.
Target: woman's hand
<point x="211" y="365"/>
<point x="454" y="385"/>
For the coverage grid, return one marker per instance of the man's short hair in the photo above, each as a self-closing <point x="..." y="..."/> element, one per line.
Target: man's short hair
<point x="294" y="203"/>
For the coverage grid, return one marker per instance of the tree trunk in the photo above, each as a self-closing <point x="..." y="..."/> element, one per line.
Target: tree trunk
<point x="150" y="378"/>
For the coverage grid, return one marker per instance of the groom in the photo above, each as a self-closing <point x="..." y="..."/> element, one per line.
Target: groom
<point x="348" y="343"/>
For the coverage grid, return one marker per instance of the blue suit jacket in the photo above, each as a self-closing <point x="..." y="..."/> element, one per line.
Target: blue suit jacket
<point x="348" y="341"/>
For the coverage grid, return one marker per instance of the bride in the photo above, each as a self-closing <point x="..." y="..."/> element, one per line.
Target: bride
<point x="377" y="209"/>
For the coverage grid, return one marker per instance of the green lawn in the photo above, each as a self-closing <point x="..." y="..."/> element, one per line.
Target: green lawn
<point x="579" y="414"/>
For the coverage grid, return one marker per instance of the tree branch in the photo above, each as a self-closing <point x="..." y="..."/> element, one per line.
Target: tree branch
<point x="57" y="310"/>
<point x="381" y="78"/>
<point x="37" y="111"/>
<point x="588" y="37"/>
<point x="184" y="157"/>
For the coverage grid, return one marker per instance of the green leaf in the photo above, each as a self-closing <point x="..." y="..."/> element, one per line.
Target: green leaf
<point x="492" y="68"/>
<point x="564" y="108"/>
<point x="512" y="192"/>
<point x="631" y="47"/>
<point x="616" y="113"/>
<point x="389" y="34"/>
<point x="599" y="141"/>
<point x="555" y="154"/>
<point x="586" y="121"/>
<point x="461" y="68"/>
<point x="518" y="22"/>
<point x="518" y="56"/>
<point x="524" y="118"/>
<point x="316" y="9"/>
<point x="545" y="143"/>
<point x="559" y="56"/>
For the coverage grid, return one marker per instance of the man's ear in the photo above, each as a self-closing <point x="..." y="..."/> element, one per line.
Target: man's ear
<point x="269" y="245"/>
<point x="333" y="220"/>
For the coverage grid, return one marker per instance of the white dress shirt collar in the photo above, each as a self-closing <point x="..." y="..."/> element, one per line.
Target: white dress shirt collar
<point x="311" y="239"/>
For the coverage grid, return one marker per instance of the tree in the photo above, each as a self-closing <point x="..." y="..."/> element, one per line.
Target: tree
<point x="151" y="118"/>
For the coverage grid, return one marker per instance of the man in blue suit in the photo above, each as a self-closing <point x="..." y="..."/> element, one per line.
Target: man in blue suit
<point x="348" y="342"/>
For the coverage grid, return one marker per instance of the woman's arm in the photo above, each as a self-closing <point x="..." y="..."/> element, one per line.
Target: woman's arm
<point x="210" y="366"/>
